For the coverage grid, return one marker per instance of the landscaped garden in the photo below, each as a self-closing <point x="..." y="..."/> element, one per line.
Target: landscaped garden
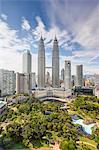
<point x="34" y="124"/>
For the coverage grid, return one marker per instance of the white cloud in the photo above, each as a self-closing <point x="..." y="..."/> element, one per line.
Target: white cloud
<point x="91" y="70"/>
<point x="88" y="34"/>
<point x="25" y="24"/>
<point x="84" y="26"/>
<point x="11" y="60"/>
<point x="4" y="17"/>
<point x="78" y="57"/>
<point x="50" y="34"/>
<point x="11" y="46"/>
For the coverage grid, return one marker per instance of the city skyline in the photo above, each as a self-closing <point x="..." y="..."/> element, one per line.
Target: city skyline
<point x="23" y="22"/>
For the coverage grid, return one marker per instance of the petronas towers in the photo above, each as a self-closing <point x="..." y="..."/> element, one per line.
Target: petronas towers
<point x="55" y="64"/>
<point x="41" y="64"/>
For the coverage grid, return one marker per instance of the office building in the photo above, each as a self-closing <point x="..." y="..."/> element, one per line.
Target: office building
<point x="7" y="82"/>
<point x="79" y="75"/>
<point x="48" y="79"/>
<point x="55" y="65"/>
<point x="73" y="80"/>
<point x="62" y="74"/>
<point x="32" y="80"/>
<point x="22" y="83"/>
<point x="67" y="75"/>
<point x="27" y="61"/>
<point x="41" y="64"/>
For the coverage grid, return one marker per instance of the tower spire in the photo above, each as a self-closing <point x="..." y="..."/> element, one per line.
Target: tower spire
<point x="41" y="38"/>
<point x="55" y="38"/>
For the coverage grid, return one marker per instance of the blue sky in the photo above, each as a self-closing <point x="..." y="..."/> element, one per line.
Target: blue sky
<point x="74" y="22"/>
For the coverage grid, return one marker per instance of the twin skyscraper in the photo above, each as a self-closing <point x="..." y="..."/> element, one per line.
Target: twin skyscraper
<point x="42" y="65"/>
<point x="27" y="60"/>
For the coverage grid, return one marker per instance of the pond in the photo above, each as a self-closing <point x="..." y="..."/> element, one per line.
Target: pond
<point x="86" y="128"/>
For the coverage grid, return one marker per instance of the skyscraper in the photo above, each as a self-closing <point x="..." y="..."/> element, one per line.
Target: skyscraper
<point x="22" y="83"/>
<point x="73" y="80"/>
<point x="62" y="74"/>
<point x="67" y="74"/>
<point x="32" y="80"/>
<point x="79" y="75"/>
<point x="55" y="64"/>
<point x="25" y="82"/>
<point x="7" y="82"/>
<point x="41" y="64"/>
<point x="48" y="79"/>
<point x="27" y="62"/>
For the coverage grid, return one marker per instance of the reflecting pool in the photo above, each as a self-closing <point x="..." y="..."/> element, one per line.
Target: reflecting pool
<point x="86" y="127"/>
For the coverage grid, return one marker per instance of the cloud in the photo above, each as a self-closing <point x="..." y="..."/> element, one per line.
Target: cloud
<point x="83" y="26"/>
<point x="67" y="41"/>
<point x="4" y="17"/>
<point x="11" y="60"/>
<point x="88" y="35"/>
<point x="11" y="47"/>
<point x="9" y="39"/>
<point x="50" y="34"/>
<point x="25" y="24"/>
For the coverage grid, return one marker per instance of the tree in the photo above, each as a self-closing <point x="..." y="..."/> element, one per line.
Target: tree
<point x="68" y="145"/>
<point x="64" y="145"/>
<point x="71" y="145"/>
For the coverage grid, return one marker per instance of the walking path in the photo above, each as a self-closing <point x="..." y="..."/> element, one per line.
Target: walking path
<point x="81" y="142"/>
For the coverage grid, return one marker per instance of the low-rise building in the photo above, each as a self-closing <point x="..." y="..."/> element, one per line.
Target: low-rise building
<point x="58" y="93"/>
<point x="83" y="91"/>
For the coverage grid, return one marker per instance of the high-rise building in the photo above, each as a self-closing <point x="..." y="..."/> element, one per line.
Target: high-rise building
<point x="73" y="80"/>
<point x="27" y="61"/>
<point x="32" y="80"/>
<point x="55" y="65"/>
<point x="22" y="83"/>
<point x="41" y="64"/>
<point x="48" y="79"/>
<point x="62" y="74"/>
<point x="7" y="82"/>
<point x="67" y="74"/>
<point x="79" y="75"/>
